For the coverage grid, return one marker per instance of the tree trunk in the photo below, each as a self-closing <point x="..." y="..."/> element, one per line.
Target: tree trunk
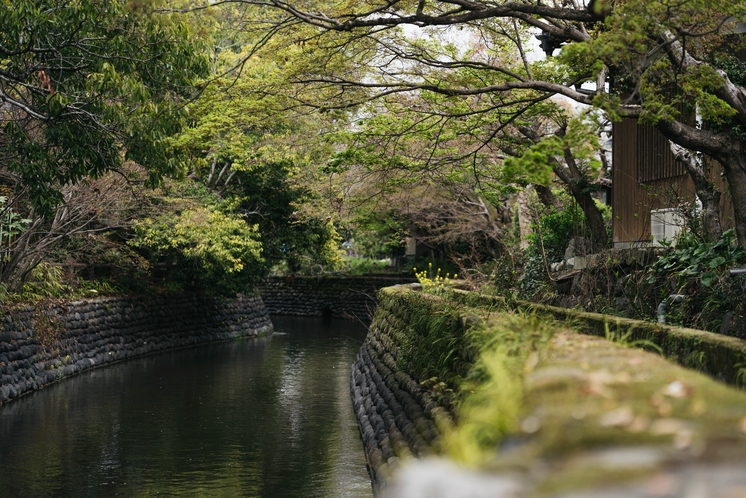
<point x="729" y="150"/>
<point x="708" y="195"/>
<point x="524" y="215"/>
<point x="735" y="172"/>
<point x="599" y="235"/>
<point x="547" y="197"/>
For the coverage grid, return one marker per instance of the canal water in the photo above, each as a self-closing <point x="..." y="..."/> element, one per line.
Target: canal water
<point x="268" y="417"/>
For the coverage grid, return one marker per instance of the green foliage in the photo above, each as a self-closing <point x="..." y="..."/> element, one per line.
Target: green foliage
<point x="736" y="71"/>
<point x="433" y="281"/>
<point x="89" y="84"/>
<point x="434" y="343"/>
<point x="46" y="281"/>
<point x="117" y="267"/>
<point x="697" y="270"/>
<point x="557" y="229"/>
<point x="694" y="258"/>
<point x="733" y="67"/>
<point x="625" y="339"/>
<point x="492" y="393"/>
<point x="380" y="234"/>
<point x="210" y="251"/>
<point x="328" y="242"/>
<point x="241" y="122"/>
<point x="548" y="241"/>
<point x="535" y="165"/>
<point x="629" y="42"/>
<point x="11" y="225"/>
<point x="354" y="265"/>
<point x="490" y="412"/>
<point x="276" y="201"/>
<point x="447" y="266"/>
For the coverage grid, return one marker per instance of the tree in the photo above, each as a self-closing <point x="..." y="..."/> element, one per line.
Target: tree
<point x="666" y="61"/>
<point x="570" y="152"/>
<point x="85" y="87"/>
<point x="439" y="191"/>
<point x="90" y="207"/>
<point x="85" y="84"/>
<point x="255" y="149"/>
<point x="211" y="251"/>
<point x="473" y="154"/>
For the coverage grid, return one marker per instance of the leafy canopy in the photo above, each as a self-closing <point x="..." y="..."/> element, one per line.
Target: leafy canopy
<point x="85" y="84"/>
<point x="215" y="252"/>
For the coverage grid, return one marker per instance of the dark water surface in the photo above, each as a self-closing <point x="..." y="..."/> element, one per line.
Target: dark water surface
<point x="267" y="417"/>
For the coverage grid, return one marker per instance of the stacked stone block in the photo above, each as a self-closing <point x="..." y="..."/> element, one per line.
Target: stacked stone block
<point x="396" y="417"/>
<point x="343" y="297"/>
<point x="40" y="345"/>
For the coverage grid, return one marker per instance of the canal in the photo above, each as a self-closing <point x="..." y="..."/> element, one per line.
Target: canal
<point x="268" y="417"/>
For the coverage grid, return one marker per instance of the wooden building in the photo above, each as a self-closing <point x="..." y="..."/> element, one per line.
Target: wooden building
<point x="646" y="178"/>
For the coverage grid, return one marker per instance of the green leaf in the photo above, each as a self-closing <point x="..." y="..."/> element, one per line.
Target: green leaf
<point x="708" y="278"/>
<point x="716" y="262"/>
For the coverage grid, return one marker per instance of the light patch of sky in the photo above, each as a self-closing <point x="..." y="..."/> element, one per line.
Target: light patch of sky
<point x="463" y="39"/>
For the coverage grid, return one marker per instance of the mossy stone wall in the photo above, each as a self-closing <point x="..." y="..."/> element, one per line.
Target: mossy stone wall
<point x="719" y="356"/>
<point x="42" y="344"/>
<point x="397" y="416"/>
<point x="346" y="297"/>
<point x="579" y="396"/>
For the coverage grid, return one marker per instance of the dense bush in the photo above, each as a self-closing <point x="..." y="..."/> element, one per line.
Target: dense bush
<point x="208" y="250"/>
<point x="547" y="244"/>
<point x="699" y="270"/>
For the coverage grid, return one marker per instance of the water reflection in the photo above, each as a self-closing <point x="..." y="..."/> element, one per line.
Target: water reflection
<point x="268" y="417"/>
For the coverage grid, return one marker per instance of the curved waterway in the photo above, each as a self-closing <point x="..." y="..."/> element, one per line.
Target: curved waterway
<point x="268" y="417"/>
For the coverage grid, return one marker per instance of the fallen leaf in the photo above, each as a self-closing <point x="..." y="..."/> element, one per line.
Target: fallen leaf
<point x="683" y="439"/>
<point x="639" y="424"/>
<point x="698" y="407"/>
<point x="668" y="426"/>
<point x="597" y="382"/>
<point x="662" y="485"/>
<point x="665" y="409"/>
<point x="617" y="418"/>
<point x="622" y="378"/>
<point x="662" y="406"/>
<point x="677" y="389"/>
<point x="531" y="424"/>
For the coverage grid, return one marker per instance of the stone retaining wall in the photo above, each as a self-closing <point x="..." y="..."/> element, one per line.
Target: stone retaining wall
<point x="338" y="297"/>
<point x="41" y="345"/>
<point x="717" y="355"/>
<point x="397" y="418"/>
<point x="580" y="396"/>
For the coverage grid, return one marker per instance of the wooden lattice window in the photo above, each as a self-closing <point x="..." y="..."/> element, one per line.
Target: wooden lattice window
<point x="655" y="161"/>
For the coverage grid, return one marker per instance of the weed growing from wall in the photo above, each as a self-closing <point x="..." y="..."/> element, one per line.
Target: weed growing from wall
<point x="48" y="332"/>
<point x="433" y="281"/>
<point x="491" y="396"/>
<point x="433" y="344"/>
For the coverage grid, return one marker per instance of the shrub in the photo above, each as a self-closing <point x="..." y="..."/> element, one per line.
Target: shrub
<point x="209" y="250"/>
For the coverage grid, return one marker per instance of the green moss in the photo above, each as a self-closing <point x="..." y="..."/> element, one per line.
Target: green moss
<point x="588" y="476"/>
<point x="559" y="397"/>
<point x="717" y="355"/>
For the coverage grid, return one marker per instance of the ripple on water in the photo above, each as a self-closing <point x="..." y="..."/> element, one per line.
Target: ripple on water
<point x="268" y="417"/>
